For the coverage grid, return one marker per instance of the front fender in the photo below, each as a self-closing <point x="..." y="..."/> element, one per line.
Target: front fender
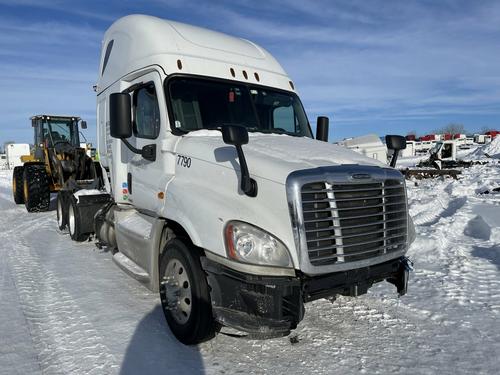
<point x="205" y="196"/>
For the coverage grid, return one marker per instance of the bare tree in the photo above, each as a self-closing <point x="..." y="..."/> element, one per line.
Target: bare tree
<point x="452" y="128"/>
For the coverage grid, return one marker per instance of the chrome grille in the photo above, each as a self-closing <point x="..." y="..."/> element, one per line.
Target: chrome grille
<point x="349" y="222"/>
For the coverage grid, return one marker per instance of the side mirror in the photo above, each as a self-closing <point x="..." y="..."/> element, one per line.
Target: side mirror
<point x="120" y="120"/>
<point x="234" y="135"/>
<point x="237" y="136"/>
<point x="396" y="143"/>
<point x="322" y="128"/>
<point x="120" y="124"/>
<point x="83" y="124"/>
<point x="33" y="123"/>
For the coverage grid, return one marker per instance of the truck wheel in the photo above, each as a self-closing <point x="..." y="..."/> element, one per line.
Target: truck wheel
<point x="17" y="184"/>
<point x="36" y="190"/>
<point x="184" y="294"/>
<point x="62" y="215"/>
<point x="74" y="224"/>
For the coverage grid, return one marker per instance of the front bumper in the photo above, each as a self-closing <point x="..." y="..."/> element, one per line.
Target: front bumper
<point x="271" y="306"/>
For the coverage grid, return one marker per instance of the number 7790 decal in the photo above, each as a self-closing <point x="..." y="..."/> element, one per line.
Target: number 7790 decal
<point x="184" y="161"/>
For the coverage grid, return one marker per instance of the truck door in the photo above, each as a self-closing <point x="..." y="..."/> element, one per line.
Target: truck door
<point x="145" y="178"/>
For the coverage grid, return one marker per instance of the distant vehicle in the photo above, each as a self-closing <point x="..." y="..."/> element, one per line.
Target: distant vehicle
<point x="57" y="160"/>
<point x="425" y="146"/>
<point x="410" y="150"/>
<point x="446" y="137"/>
<point x="428" y="137"/>
<point x="444" y="155"/>
<point x="14" y="152"/>
<point x="411" y="137"/>
<point x="492" y="133"/>
<point x="482" y="138"/>
<point x="369" y="145"/>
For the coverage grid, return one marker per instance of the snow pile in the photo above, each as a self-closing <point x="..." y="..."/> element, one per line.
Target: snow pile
<point x="491" y="150"/>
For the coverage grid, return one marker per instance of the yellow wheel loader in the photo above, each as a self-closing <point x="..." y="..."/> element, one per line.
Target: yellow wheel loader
<point x="56" y="161"/>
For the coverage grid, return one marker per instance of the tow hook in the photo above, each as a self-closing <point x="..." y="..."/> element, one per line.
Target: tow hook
<point x="402" y="284"/>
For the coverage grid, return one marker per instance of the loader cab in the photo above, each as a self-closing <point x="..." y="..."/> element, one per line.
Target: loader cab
<point x="56" y="132"/>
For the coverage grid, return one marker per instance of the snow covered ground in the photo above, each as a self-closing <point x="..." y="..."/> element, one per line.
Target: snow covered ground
<point x="67" y="308"/>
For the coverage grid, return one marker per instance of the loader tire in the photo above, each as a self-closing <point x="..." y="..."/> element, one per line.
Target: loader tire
<point x="17" y="185"/>
<point x="74" y="222"/>
<point x="36" y="189"/>
<point x="185" y="295"/>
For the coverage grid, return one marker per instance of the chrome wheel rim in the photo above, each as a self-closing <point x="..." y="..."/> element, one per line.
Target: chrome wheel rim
<point x="71" y="219"/>
<point x="177" y="291"/>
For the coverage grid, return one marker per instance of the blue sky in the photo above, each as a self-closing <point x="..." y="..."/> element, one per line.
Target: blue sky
<point x="371" y="66"/>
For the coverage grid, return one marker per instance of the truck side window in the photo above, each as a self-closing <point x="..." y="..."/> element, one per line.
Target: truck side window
<point x="146" y="113"/>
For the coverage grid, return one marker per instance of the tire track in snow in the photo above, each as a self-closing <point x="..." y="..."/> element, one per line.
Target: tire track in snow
<point x="441" y="215"/>
<point x="63" y="337"/>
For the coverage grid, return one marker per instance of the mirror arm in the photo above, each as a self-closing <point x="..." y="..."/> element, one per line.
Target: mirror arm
<point x="130" y="147"/>
<point x="248" y="185"/>
<point x="148" y="152"/>
<point x="394" y="158"/>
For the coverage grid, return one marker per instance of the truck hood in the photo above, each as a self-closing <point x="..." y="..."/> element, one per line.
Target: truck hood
<point x="270" y="156"/>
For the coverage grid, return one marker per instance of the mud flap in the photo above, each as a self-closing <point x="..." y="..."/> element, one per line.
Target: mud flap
<point x="88" y="206"/>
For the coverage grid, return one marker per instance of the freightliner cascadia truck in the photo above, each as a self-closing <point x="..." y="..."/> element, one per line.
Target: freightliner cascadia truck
<point x="216" y="194"/>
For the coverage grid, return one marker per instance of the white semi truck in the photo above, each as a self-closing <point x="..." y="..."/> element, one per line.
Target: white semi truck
<point x="215" y="193"/>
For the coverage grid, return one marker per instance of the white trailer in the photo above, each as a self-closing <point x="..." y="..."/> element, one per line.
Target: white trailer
<point x="482" y="138"/>
<point x="14" y="151"/>
<point x="410" y="150"/>
<point x="215" y="192"/>
<point x="368" y="145"/>
<point x="425" y="146"/>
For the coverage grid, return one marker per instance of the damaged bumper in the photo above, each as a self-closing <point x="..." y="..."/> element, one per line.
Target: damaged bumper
<point x="271" y="306"/>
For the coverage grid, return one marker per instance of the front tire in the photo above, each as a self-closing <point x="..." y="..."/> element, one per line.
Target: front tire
<point x="17" y="184"/>
<point x="74" y="223"/>
<point x="184" y="294"/>
<point x="36" y="189"/>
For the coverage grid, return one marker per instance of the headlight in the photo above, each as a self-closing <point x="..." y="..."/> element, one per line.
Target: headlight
<point x="249" y="244"/>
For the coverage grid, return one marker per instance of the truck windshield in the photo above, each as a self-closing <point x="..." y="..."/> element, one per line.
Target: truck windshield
<point x="205" y="104"/>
